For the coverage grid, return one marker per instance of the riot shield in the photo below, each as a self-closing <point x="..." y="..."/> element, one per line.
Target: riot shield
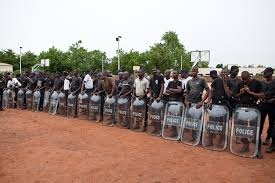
<point x="53" y="103"/>
<point x="94" y="108"/>
<point x="29" y="98"/>
<point x="246" y="127"/>
<point x="155" y="118"/>
<point x="71" y="106"/>
<point x="192" y="125"/>
<point x="62" y="108"/>
<point x="46" y="101"/>
<point x="215" y="128"/>
<point x="123" y="112"/>
<point x="138" y="115"/>
<point x="20" y="98"/>
<point x="5" y="99"/>
<point x="11" y="95"/>
<point x="36" y="100"/>
<point x="173" y="118"/>
<point x="109" y="111"/>
<point x="82" y="107"/>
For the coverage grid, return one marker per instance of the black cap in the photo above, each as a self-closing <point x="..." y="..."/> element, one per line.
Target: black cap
<point x="268" y="69"/>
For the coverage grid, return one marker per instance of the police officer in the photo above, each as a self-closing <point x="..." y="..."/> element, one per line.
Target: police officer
<point x="249" y="91"/>
<point x="75" y="86"/>
<point x="267" y="107"/>
<point x="119" y="81"/>
<point x="141" y="88"/>
<point x="156" y="85"/>
<point x="234" y="81"/>
<point x="218" y="95"/>
<point x="109" y="86"/>
<point x="126" y="92"/>
<point x="174" y="88"/>
<point x="41" y="87"/>
<point x="195" y="88"/>
<point x="99" y="91"/>
<point x="2" y="86"/>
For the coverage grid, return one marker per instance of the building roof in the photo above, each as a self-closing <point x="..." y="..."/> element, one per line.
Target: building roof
<point x="4" y="64"/>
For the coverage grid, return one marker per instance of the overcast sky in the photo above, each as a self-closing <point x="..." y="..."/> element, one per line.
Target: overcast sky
<point x="235" y="31"/>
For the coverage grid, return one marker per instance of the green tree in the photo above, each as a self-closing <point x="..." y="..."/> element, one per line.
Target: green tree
<point x="168" y="53"/>
<point x="58" y="60"/>
<point x="9" y="57"/>
<point x="29" y="59"/>
<point x="219" y="66"/>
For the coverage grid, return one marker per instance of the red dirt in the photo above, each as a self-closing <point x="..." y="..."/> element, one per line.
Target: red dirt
<point x="38" y="147"/>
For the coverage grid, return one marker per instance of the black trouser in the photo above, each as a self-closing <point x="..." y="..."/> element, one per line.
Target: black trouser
<point x="1" y="99"/>
<point x="88" y="92"/>
<point x="42" y="94"/>
<point x="102" y="101"/>
<point x="267" y="109"/>
<point x="15" y="97"/>
<point x="66" y="96"/>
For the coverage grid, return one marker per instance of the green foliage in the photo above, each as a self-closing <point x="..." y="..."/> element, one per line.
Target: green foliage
<point x="29" y="59"/>
<point x="219" y="66"/>
<point x="166" y="54"/>
<point x="9" y="57"/>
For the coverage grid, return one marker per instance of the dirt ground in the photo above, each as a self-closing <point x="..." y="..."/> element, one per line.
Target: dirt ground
<point x="38" y="148"/>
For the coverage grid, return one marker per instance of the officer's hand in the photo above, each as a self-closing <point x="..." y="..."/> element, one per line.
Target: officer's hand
<point x="208" y="105"/>
<point x="199" y="105"/>
<point x="242" y="91"/>
<point x="187" y="104"/>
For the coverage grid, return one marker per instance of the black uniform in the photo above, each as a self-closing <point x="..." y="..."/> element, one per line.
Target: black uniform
<point x="155" y="85"/>
<point x="174" y="85"/>
<point x="2" y="86"/>
<point x="268" y="108"/>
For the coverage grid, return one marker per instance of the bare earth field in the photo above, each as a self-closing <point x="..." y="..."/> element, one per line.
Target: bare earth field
<point x="38" y="148"/>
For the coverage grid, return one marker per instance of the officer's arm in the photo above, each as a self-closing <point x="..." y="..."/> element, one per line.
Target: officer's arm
<point x="206" y="95"/>
<point x="161" y="90"/>
<point x="228" y="92"/>
<point x="210" y="95"/>
<point x="113" y="87"/>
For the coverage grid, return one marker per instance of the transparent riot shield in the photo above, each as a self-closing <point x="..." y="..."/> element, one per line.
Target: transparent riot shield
<point x="173" y="118"/>
<point x="192" y="125"/>
<point x="94" y="108"/>
<point x="82" y="107"/>
<point x="29" y="98"/>
<point x="20" y="98"/>
<point x="36" y="100"/>
<point x="11" y="95"/>
<point x="62" y="107"/>
<point x="53" y="103"/>
<point x="138" y="115"/>
<point x="46" y="101"/>
<point x="215" y="128"/>
<point x="71" y="105"/>
<point x="155" y="118"/>
<point x="246" y="127"/>
<point x="123" y="112"/>
<point x="109" y="111"/>
<point x="5" y="99"/>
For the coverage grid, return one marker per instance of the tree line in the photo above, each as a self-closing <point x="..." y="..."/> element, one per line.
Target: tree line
<point x="168" y="53"/>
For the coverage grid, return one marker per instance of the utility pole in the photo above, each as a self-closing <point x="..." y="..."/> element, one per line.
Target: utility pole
<point x="118" y="52"/>
<point x="20" y="60"/>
